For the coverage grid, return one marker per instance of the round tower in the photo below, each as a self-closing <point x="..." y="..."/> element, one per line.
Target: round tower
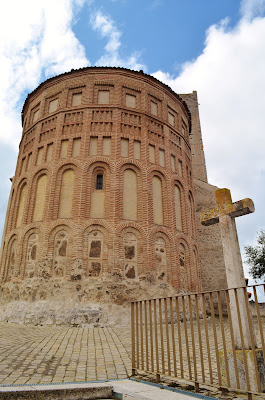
<point x="101" y="208"/>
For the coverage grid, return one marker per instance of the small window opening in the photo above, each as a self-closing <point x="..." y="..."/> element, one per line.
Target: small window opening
<point x="99" y="184"/>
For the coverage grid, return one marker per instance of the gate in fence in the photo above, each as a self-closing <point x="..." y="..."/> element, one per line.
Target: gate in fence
<point x="201" y="338"/>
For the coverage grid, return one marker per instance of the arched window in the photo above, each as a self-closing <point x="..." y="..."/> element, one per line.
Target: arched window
<point x="183" y="266"/>
<point x="130" y="195"/>
<point x="40" y="198"/>
<point x="60" y="254"/>
<point x="157" y="201"/>
<point x="130" y="255"/>
<point x="11" y="257"/>
<point x="95" y="250"/>
<point x="161" y="259"/>
<point x="67" y="194"/>
<point x="178" y="208"/>
<point x="21" y="205"/>
<point x="97" y="209"/>
<point x="32" y="253"/>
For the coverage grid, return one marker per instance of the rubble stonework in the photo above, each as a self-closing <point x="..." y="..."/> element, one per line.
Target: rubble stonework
<point x="109" y="180"/>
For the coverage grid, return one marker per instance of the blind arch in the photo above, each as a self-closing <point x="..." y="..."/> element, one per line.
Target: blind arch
<point x="130" y="203"/>
<point x="178" y="213"/>
<point x="157" y="201"/>
<point x="21" y="204"/>
<point x="40" y="198"/>
<point x="67" y="194"/>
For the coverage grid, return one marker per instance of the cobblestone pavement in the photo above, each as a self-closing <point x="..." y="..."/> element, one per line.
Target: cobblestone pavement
<point x="44" y="354"/>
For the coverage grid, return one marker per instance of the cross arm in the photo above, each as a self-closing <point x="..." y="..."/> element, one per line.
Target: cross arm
<point x="242" y="207"/>
<point x="237" y="209"/>
<point x="210" y="217"/>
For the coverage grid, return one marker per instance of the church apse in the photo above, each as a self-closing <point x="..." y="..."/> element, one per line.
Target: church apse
<point x="102" y="207"/>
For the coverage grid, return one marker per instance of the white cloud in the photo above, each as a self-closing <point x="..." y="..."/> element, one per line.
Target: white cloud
<point x="105" y="25"/>
<point x="107" y="28"/>
<point x="230" y="80"/>
<point x="252" y="8"/>
<point x="37" y="40"/>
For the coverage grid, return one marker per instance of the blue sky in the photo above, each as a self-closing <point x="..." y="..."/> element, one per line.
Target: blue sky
<point x="164" y="33"/>
<point x="212" y="46"/>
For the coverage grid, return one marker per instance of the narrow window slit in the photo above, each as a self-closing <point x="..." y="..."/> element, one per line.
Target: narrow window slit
<point x="99" y="184"/>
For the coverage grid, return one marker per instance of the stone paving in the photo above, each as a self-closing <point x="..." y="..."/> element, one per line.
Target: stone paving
<point x="44" y="354"/>
<point x="53" y="354"/>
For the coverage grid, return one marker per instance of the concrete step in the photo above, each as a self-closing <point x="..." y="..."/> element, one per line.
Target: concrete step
<point x="60" y="392"/>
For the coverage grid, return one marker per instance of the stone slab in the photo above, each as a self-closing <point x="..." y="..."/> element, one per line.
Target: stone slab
<point x="132" y="390"/>
<point x="122" y="389"/>
<point x="57" y="392"/>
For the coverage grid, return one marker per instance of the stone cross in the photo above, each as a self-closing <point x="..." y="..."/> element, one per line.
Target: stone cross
<point x="225" y="214"/>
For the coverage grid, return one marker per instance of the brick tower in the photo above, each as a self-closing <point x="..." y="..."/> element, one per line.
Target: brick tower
<point x="102" y="205"/>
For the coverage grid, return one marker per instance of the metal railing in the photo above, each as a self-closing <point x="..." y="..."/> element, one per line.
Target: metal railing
<point x="213" y="338"/>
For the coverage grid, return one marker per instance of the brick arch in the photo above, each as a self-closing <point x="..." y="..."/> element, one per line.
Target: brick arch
<point x="97" y="160"/>
<point x="89" y="187"/>
<point x="163" y="231"/>
<point x="65" y="166"/>
<point x="8" y="237"/>
<point x="102" y="223"/>
<point x="8" y="258"/>
<point x="69" y="224"/>
<point x="168" y="237"/>
<point x="167" y="209"/>
<point x="17" y="196"/>
<point x="53" y="232"/>
<point x="9" y="214"/>
<point x="21" y="182"/>
<point x="195" y="270"/>
<point x="56" y="189"/>
<point x="182" y="239"/>
<point x="191" y="214"/>
<point x="129" y="165"/>
<point x="59" y="227"/>
<point x="184" y="268"/>
<point x="130" y="224"/>
<point x="178" y="183"/>
<point x="47" y="169"/>
<point x="97" y="263"/>
<point x="71" y="163"/>
<point x="131" y="253"/>
<point x="24" y="241"/>
<point x="178" y="179"/>
<point x="41" y="172"/>
<point x="120" y="198"/>
<point x="136" y="163"/>
<point x="3" y="258"/>
<point x="156" y="169"/>
<point x="52" y="252"/>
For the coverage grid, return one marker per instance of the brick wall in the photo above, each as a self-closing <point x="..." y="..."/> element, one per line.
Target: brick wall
<point x="60" y="251"/>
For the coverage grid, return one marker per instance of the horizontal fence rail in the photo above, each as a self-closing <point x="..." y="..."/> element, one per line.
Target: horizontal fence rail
<point x="211" y="338"/>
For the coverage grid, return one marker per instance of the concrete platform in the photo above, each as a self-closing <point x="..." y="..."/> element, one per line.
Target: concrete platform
<point x="120" y="389"/>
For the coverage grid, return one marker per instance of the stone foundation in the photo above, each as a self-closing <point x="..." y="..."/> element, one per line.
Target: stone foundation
<point x="74" y="303"/>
